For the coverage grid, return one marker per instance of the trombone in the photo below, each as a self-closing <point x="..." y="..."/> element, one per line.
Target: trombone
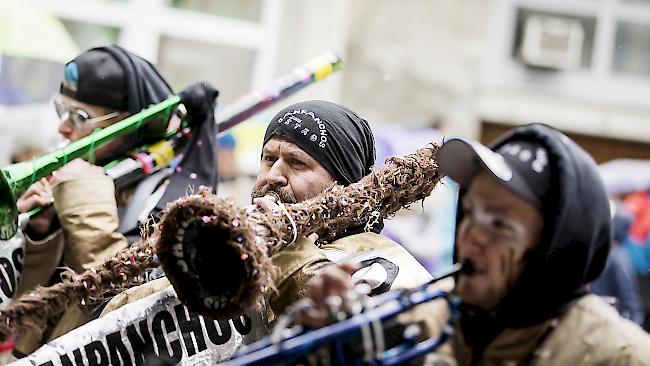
<point x="16" y="178"/>
<point x="367" y="328"/>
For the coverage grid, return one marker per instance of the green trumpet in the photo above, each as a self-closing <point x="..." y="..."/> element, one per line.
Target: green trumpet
<point x="16" y="178"/>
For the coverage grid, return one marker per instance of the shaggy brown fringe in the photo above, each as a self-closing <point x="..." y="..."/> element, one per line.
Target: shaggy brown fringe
<point x="209" y="211"/>
<point x="260" y="234"/>
<point x="41" y="307"/>
<point x="257" y="234"/>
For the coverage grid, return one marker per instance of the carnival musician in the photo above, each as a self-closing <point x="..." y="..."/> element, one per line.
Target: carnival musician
<point x="534" y="221"/>
<point x="308" y="147"/>
<point x="89" y="221"/>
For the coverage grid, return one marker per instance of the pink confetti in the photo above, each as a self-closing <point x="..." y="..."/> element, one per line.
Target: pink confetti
<point x="205" y="219"/>
<point x="199" y="142"/>
<point x="193" y="175"/>
<point x="179" y="169"/>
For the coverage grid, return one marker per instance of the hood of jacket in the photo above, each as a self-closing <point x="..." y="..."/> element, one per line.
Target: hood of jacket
<point x="573" y="246"/>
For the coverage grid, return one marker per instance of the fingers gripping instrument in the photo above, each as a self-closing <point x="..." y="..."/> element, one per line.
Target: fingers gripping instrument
<point x="16" y="178"/>
<point x="361" y="338"/>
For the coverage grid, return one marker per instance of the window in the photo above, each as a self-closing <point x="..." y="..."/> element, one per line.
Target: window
<point x="185" y="39"/>
<point x="612" y="44"/>
<point x="632" y="49"/>
<point x="88" y="35"/>
<point x="588" y="25"/>
<point x="617" y="32"/>
<point x="227" y="68"/>
<point x="241" y="9"/>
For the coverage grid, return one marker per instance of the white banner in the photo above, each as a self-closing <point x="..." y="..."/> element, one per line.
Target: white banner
<point x="12" y="252"/>
<point x="158" y="324"/>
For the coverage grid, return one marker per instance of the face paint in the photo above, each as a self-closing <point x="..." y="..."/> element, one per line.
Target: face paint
<point x="496" y="232"/>
<point x="510" y="280"/>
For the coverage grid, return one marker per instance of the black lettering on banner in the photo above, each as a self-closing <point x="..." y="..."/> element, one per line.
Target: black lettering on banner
<point x="96" y="354"/>
<point x="77" y="357"/>
<point x="243" y="324"/>
<point x="141" y="343"/>
<point x="8" y="284"/>
<point x="117" y="350"/>
<point x="166" y="319"/>
<point x="218" y="336"/>
<point x="65" y="361"/>
<point x="189" y="326"/>
<point x="17" y="257"/>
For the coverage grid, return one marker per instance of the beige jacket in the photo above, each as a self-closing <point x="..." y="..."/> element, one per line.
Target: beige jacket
<point x="136" y="293"/>
<point x="590" y="333"/>
<point x="303" y="260"/>
<point x="87" y="211"/>
<point x="300" y="262"/>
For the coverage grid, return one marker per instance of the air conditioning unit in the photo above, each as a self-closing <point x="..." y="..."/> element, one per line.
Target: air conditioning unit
<point x="552" y="42"/>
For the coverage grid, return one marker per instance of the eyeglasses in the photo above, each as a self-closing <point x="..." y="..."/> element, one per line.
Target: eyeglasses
<point x="79" y="117"/>
<point x="499" y="227"/>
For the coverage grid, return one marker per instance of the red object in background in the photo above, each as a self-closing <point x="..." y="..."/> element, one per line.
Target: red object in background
<point x="639" y="205"/>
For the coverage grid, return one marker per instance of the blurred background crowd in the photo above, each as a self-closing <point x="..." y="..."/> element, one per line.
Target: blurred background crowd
<point x="417" y="70"/>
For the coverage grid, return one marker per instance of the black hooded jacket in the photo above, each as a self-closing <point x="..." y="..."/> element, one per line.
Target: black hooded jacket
<point x="115" y="78"/>
<point x="574" y="244"/>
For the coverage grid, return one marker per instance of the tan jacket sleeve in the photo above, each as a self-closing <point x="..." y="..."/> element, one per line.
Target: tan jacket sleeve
<point x="136" y="293"/>
<point x="88" y="214"/>
<point x="41" y="257"/>
<point x="296" y="265"/>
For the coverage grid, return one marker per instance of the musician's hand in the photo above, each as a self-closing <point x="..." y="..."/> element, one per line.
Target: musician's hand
<point x="326" y="290"/>
<point x="38" y="194"/>
<point x="76" y="169"/>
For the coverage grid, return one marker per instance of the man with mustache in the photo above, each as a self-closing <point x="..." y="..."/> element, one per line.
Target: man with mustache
<point x="534" y="221"/>
<point x="308" y="147"/>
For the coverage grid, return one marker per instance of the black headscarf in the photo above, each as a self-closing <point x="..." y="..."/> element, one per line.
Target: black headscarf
<point x="114" y="78"/>
<point x="335" y="136"/>
<point x="340" y="140"/>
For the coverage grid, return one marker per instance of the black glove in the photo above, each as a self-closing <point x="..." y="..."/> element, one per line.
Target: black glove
<point x="200" y="100"/>
<point x="199" y="163"/>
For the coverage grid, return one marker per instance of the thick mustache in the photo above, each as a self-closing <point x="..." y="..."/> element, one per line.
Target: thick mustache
<point x="278" y="193"/>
